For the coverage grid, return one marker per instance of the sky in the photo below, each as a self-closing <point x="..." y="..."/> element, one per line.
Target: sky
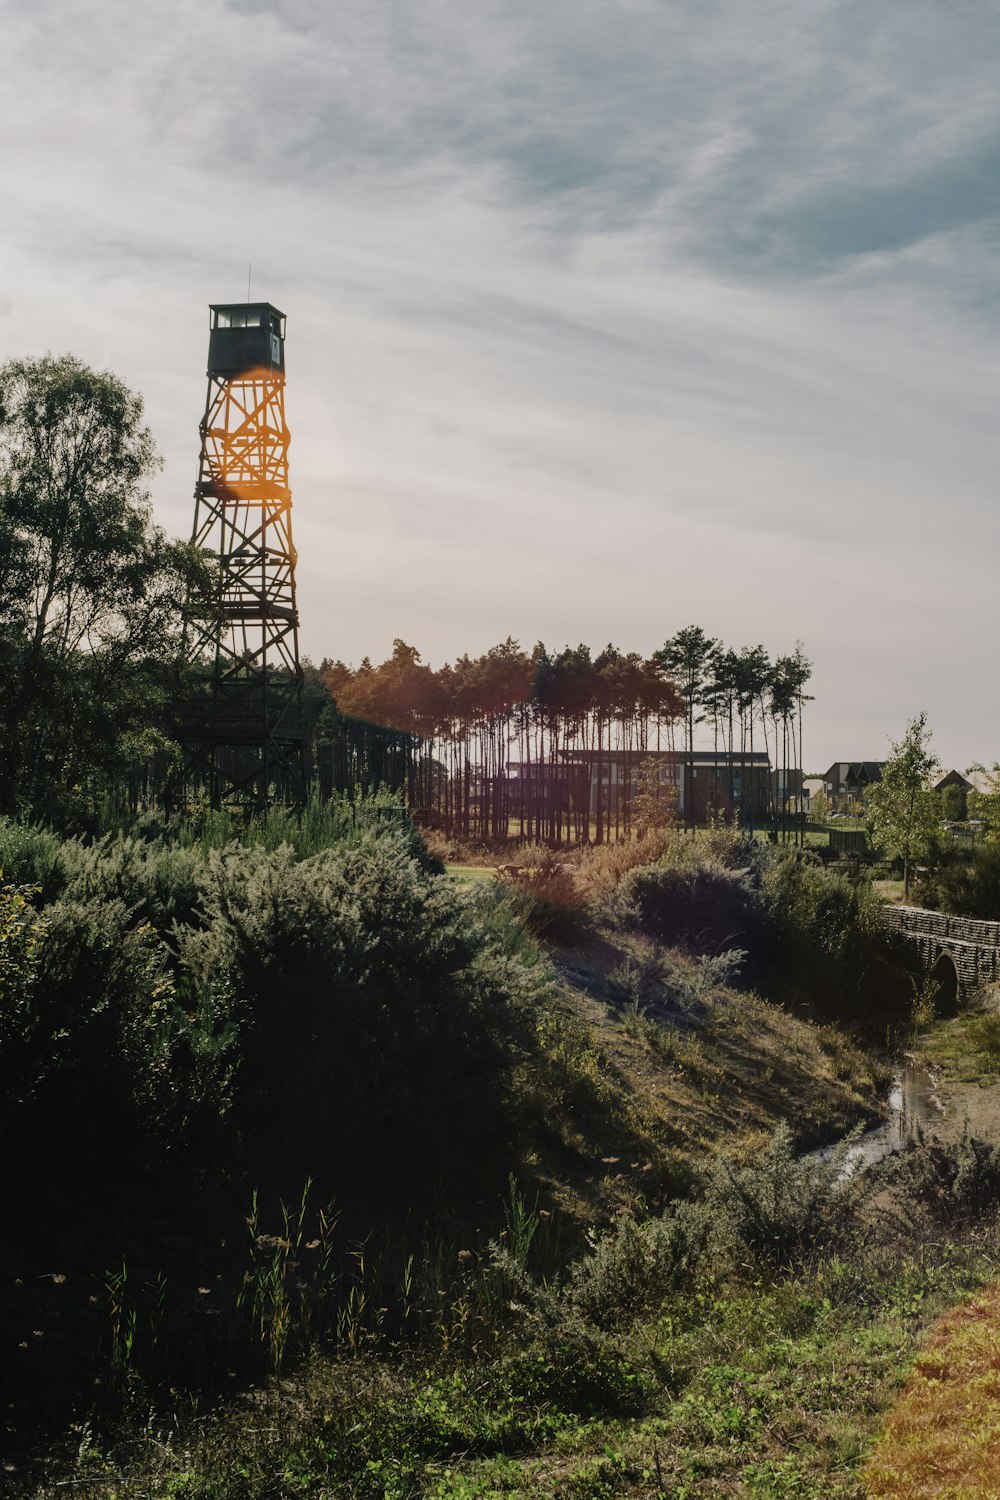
<point x="605" y="317"/>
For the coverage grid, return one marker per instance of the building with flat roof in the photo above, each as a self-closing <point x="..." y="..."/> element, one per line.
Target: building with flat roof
<point x="707" y="783"/>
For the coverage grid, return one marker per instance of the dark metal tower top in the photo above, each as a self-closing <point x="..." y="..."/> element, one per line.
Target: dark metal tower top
<point x="245" y="336"/>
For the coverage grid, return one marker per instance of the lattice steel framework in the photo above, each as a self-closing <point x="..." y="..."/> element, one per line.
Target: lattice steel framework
<point x="243" y="731"/>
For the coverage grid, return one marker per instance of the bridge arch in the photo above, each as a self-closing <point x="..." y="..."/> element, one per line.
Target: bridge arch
<point x="971" y="944"/>
<point x="948" y="982"/>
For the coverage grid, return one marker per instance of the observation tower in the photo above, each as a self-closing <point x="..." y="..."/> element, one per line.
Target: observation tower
<point x="242" y="730"/>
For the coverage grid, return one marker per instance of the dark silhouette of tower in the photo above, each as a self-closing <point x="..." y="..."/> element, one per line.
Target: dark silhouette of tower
<point x="242" y="730"/>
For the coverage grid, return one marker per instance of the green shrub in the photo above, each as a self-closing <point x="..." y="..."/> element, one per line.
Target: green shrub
<point x="954" y="1182"/>
<point x="986" y="1035"/>
<point x="634" y="1267"/>
<point x="573" y="1368"/>
<point x="376" y="1018"/>
<point x="321" y="825"/>
<point x="32" y="856"/>
<point x="701" y="907"/>
<point x="824" y="943"/>
<point x="782" y="1206"/>
<point x="966" y="882"/>
<point x="159" y="884"/>
<point x="661" y="982"/>
<point x="86" y="1077"/>
<point x="726" y="844"/>
<point x="22" y="932"/>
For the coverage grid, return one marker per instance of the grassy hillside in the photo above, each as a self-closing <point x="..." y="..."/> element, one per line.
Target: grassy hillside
<point x="427" y="1205"/>
<point x="652" y="1064"/>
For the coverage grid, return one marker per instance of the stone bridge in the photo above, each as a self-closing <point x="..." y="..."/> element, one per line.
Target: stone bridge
<point x="960" y="952"/>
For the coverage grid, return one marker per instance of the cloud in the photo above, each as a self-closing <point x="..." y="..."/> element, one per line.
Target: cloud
<point x="603" y="317"/>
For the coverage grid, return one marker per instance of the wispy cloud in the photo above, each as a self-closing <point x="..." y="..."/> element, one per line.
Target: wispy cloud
<point x="603" y="316"/>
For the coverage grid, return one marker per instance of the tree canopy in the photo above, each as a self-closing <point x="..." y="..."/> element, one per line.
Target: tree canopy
<point x="91" y="591"/>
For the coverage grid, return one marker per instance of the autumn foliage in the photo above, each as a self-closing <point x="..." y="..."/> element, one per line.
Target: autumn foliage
<point x="498" y="728"/>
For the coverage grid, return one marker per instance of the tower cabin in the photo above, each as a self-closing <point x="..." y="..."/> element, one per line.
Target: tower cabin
<point x="246" y="336"/>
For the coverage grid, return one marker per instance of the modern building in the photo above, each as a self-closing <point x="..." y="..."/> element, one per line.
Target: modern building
<point x="709" y="783"/>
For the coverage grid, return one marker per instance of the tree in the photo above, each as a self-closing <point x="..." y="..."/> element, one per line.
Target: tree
<point x="91" y="592"/>
<point x="655" y="806"/>
<point x="902" y="810"/>
<point x="953" y="803"/>
<point x="688" y="657"/>
<point x="753" y="678"/>
<point x="819" y="807"/>
<point x="983" y="802"/>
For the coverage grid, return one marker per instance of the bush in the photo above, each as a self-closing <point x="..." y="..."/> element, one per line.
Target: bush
<point x="661" y="982"/>
<point x="825" y="943"/>
<point x="966" y="883"/>
<point x="377" y="1017"/>
<point x="159" y="884"/>
<point x="726" y="843"/>
<point x="352" y="1010"/>
<point x="86" y="1062"/>
<point x="783" y="1205"/>
<point x="701" y="907"/>
<point x="634" y="1267"/>
<point x="574" y="1368"/>
<point x="22" y="932"/>
<point x="986" y="1036"/>
<point x="602" y="867"/>
<point x="549" y="896"/>
<point x="954" y="1183"/>
<point x="32" y="856"/>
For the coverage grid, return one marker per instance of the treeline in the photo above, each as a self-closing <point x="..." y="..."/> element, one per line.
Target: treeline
<point x="556" y="745"/>
<point x="91" y="591"/>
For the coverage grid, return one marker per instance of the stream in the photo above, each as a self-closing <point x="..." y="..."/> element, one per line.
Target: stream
<point x="912" y="1103"/>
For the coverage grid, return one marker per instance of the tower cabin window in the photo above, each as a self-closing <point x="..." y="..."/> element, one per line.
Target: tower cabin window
<point x="239" y="317"/>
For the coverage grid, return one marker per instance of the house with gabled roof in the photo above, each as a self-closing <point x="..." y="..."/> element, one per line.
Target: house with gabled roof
<point x="847" y="781"/>
<point x="975" y="780"/>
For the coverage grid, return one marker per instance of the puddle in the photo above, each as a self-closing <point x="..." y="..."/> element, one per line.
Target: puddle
<point x="912" y="1103"/>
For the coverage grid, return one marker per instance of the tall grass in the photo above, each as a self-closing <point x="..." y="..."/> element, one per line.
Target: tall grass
<point x="320" y="825"/>
<point x="284" y="1291"/>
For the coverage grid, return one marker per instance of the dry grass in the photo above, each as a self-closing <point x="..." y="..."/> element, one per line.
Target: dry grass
<point x="598" y="867"/>
<point x="557" y="885"/>
<point x="455" y="851"/>
<point x="942" y="1438"/>
<point x="548" y="877"/>
<point x="601" y="867"/>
